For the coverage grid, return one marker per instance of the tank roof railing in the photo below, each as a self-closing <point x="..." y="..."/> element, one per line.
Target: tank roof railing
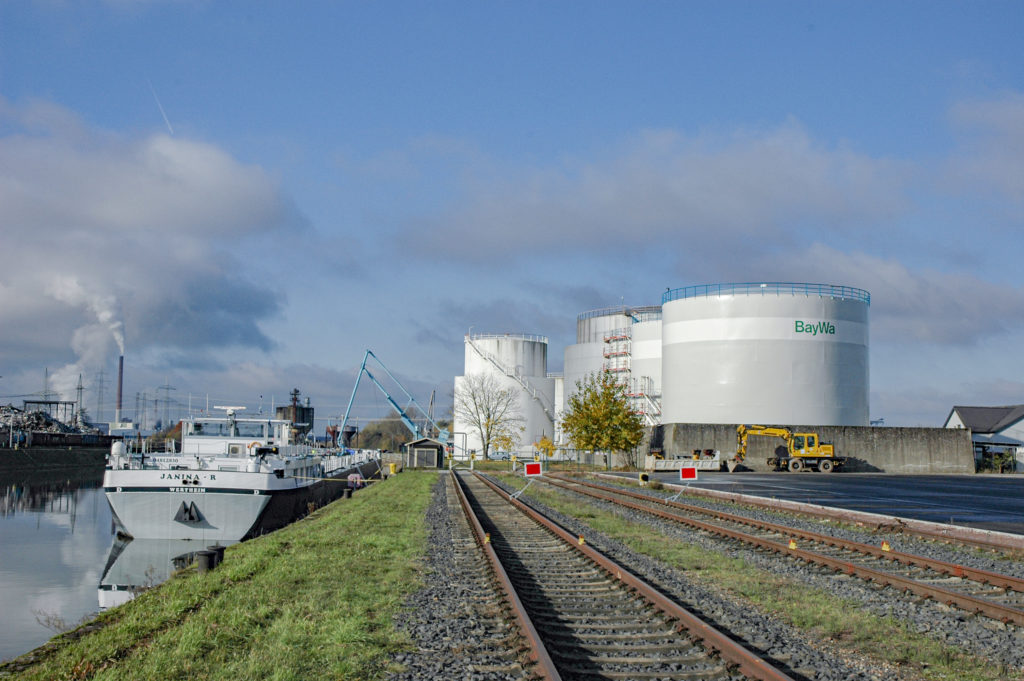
<point x="775" y="288"/>
<point x="512" y="336"/>
<point x="617" y="309"/>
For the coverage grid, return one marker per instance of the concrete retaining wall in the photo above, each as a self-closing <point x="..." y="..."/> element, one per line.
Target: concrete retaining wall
<point x="31" y="458"/>
<point x="886" y="450"/>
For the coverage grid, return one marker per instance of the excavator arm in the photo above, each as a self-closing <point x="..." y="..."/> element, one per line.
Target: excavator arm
<point x="803" y="449"/>
<point x="742" y="432"/>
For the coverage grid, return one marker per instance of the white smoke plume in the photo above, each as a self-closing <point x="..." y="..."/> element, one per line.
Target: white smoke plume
<point x="105" y="308"/>
<point x="89" y="342"/>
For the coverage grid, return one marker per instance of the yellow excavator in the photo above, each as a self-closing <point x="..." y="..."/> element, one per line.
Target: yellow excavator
<point x="802" y="450"/>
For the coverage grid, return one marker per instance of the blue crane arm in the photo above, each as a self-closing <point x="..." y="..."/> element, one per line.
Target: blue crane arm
<point x="355" y="387"/>
<point x="392" y="377"/>
<point x="409" y="423"/>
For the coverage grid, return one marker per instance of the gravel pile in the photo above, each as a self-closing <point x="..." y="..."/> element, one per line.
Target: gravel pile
<point x="1003" y="644"/>
<point x="457" y="622"/>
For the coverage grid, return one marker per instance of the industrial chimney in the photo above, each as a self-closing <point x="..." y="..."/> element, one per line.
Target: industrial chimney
<point x="120" y="385"/>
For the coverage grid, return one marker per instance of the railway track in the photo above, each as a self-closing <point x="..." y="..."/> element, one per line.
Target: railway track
<point x="587" y="617"/>
<point x="991" y="594"/>
<point x="462" y="624"/>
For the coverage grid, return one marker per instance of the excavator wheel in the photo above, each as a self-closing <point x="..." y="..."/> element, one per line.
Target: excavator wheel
<point x="825" y="467"/>
<point x="795" y="465"/>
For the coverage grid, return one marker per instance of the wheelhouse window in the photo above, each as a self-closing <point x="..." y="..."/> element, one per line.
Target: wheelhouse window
<point x="253" y="430"/>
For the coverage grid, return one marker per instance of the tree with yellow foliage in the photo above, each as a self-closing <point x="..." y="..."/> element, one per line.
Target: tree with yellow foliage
<point x="599" y="417"/>
<point x="545" y="446"/>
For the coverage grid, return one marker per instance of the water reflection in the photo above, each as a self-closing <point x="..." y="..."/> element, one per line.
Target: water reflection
<point x="135" y="565"/>
<point x="55" y="532"/>
<point x="42" y="496"/>
<point x="60" y="559"/>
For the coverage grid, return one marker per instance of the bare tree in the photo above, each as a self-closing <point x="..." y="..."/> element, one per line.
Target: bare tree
<point x="488" y="408"/>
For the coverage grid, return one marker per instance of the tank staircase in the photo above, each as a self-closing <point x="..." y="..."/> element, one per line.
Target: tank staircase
<point x="647" y="405"/>
<point x="617" y="354"/>
<point x="516" y="375"/>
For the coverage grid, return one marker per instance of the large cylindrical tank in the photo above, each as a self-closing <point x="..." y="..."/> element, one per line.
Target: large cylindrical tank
<point x="586" y="357"/>
<point x="765" y="353"/>
<point x="581" y="360"/>
<point x="593" y="326"/>
<point x="518" y="362"/>
<point x="645" y="352"/>
<point x="525" y="353"/>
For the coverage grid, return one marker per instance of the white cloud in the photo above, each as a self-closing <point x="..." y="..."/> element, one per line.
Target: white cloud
<point x="991" y="154"/>
<point x="132" y="188"/>
<point x="150" y="237"/>
<point x="663" y="189"/>
<point x="928" y="403"/>
<point x="920" y="306"/>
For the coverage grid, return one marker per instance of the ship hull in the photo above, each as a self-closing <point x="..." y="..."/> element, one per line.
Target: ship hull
<point x="188" y="504"/>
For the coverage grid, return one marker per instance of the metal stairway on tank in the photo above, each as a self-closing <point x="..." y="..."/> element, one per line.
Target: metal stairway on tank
<point x="513" y="374"/>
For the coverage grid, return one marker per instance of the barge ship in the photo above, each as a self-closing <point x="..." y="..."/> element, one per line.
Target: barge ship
<point x="232" y="478"/>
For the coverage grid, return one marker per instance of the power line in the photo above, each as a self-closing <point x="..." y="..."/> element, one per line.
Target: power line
<point x="100" y="384"/>
<point x="167" y="388"/>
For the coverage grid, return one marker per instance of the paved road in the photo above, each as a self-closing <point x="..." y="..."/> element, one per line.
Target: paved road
<point x="991" y="502"/>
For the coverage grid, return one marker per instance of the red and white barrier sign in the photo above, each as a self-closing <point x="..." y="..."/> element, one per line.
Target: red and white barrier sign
<point x="688" y="473"/>
<point x="533" y="470"/>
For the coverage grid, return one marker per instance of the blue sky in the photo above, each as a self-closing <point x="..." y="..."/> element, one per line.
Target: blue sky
<point x="254" y="193"/>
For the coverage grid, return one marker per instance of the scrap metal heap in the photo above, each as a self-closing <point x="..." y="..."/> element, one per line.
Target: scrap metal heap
<point x="35" y="422"/>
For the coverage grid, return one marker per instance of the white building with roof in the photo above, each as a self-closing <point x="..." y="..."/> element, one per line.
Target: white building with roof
<point x="992" y="428"/>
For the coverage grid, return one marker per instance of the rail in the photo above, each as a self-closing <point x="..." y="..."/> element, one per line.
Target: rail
<point x="644" y="312"/>
<point x="999" y="611"/>
<point x="771" y="288"/>
<point x="538" y="652"/>
<point x="144" y="459"/>
<point x="729" y="650"/>
<point x="512" y="336"/>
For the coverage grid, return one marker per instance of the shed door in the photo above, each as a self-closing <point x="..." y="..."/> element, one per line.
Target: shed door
<point x="424" y="457"/>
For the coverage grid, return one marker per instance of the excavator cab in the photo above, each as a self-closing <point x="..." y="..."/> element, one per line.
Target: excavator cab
<point x="805" y="443"/>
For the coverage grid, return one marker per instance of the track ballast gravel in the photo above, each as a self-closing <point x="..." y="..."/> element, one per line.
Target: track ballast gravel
<point x="999" y="643"/>
<point x="458" y="621"/>
<point x="458" y="605"/>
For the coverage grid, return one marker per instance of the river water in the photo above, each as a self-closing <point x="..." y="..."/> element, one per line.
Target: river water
<point x="55" y="535"/>
<point x="60" y="560"/>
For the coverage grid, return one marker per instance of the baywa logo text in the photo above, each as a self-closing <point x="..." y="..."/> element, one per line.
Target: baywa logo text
<point x="824" y="328"/>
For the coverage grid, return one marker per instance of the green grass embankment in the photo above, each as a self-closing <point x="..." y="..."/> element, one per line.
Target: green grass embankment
<point x="840" y="623"/>
<point x="311" y="601"/>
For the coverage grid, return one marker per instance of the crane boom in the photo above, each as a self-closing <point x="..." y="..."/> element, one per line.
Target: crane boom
<point x="413" y="427"/>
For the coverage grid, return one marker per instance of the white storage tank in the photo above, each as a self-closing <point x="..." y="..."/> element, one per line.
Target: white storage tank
<point x="765" y="353"/>
<point x="519" y="362"/>
<point x="587" y="355"/>
<point x="627" y="342"/>
<point x="645" y="351"/>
